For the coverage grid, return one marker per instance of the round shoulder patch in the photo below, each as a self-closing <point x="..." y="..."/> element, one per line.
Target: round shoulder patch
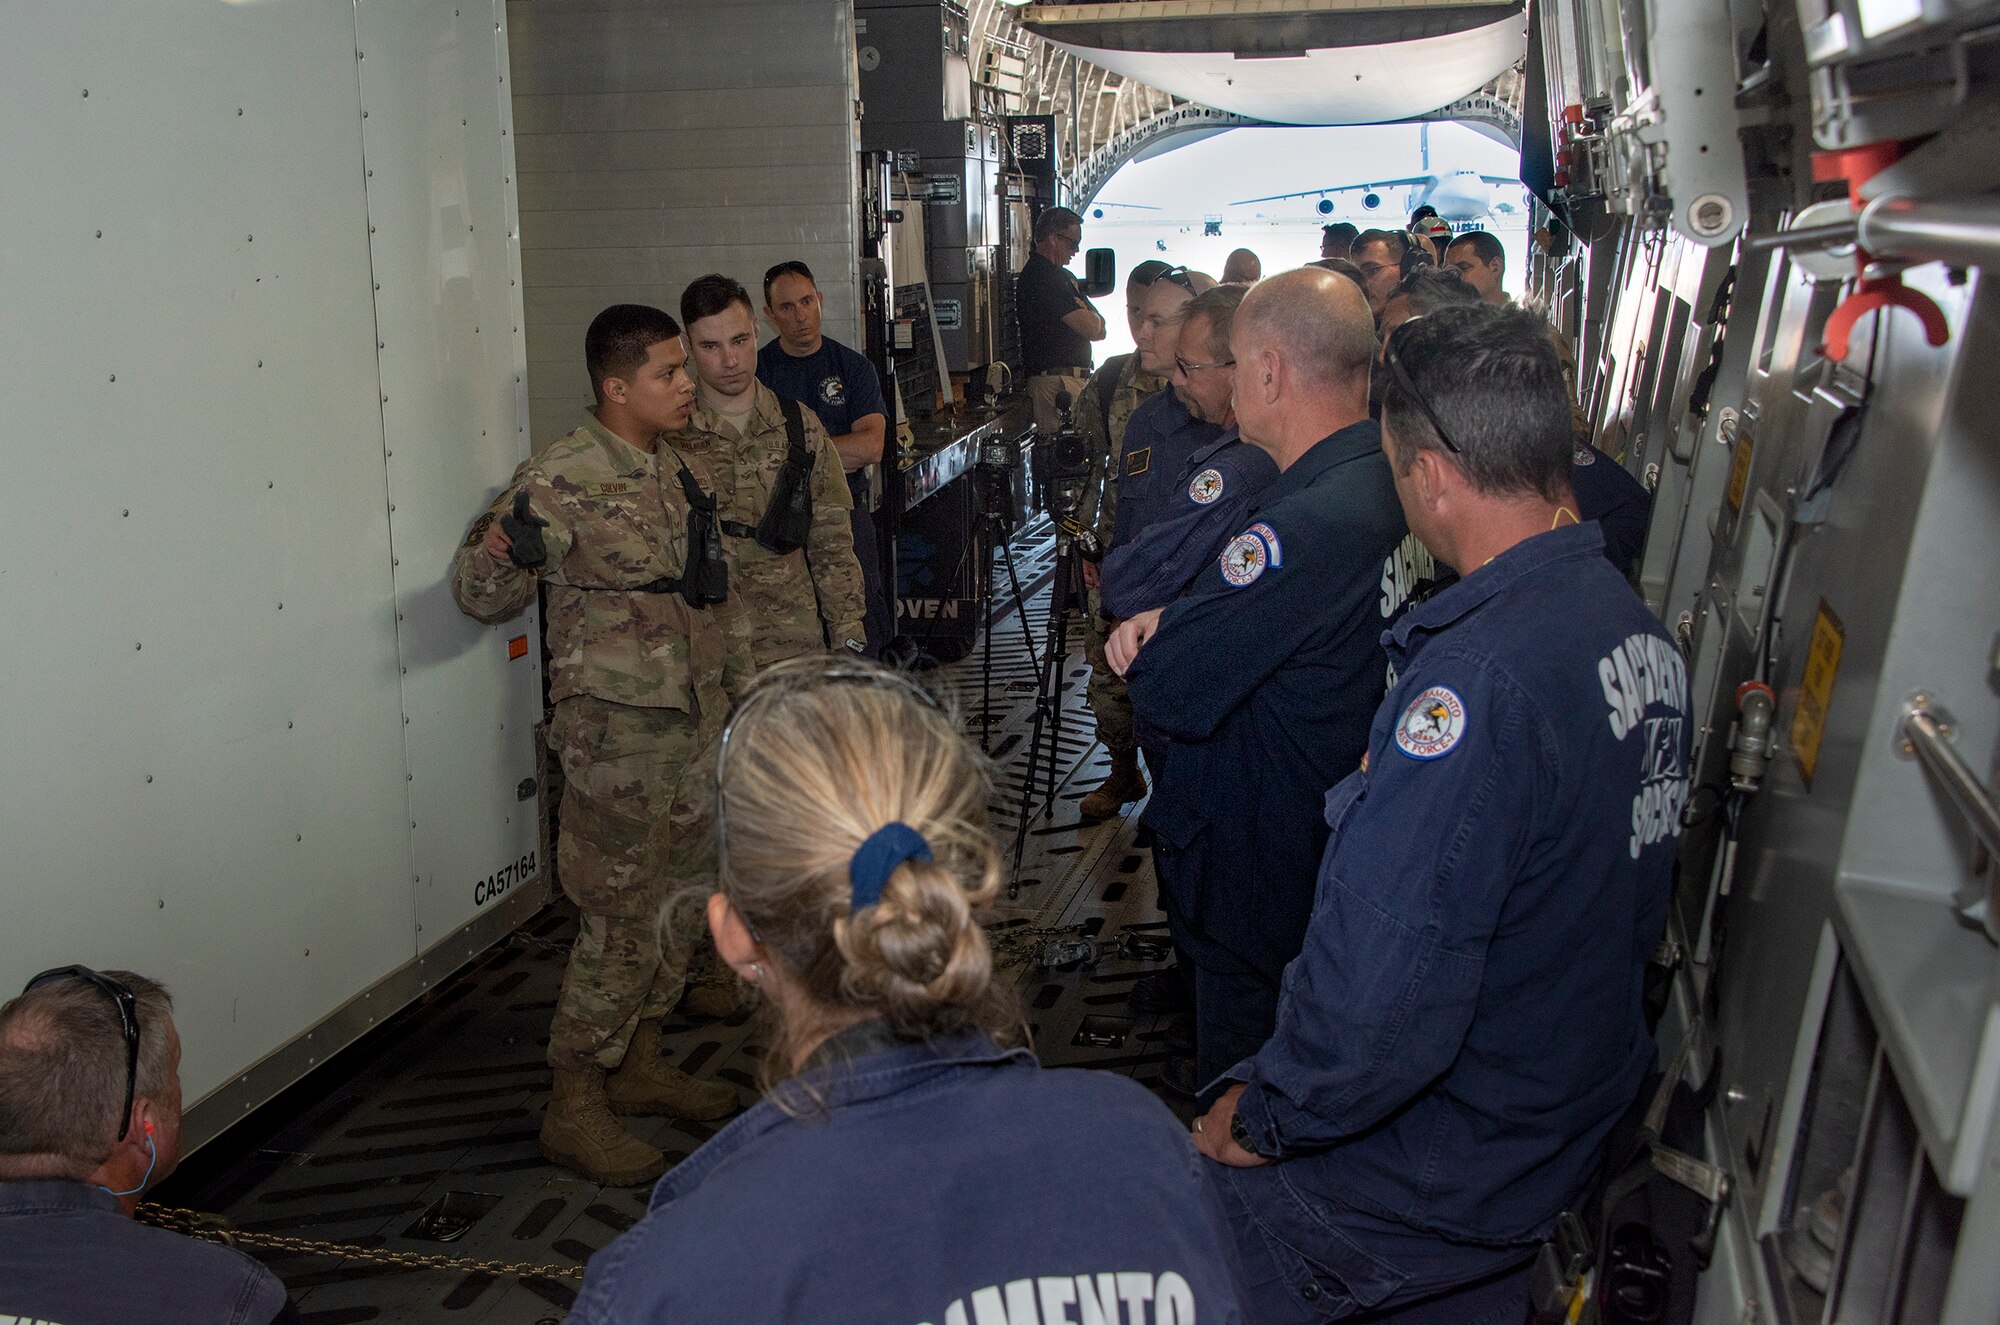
<point x="1432" y="725"/>
<point x="1583" y="456"/>
<point x="1205" y="487"/>
<point x="1244" y="559"/>
<point x="1271" y="544"/>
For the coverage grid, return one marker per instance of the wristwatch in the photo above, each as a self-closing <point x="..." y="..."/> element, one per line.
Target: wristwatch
<point x="1240" y="1134"/>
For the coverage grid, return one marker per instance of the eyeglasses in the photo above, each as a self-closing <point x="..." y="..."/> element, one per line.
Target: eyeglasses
<point x="1190" y="369"/>
<point x="789" y="678"/>
<point x="128" y="1020"/>
<point x="1370" y="270"/>
<point x="1409" y="388"/>
<point x="1178" y="276"/>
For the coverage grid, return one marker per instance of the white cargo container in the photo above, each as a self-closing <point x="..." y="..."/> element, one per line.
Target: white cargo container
<point x="261" y="359"/>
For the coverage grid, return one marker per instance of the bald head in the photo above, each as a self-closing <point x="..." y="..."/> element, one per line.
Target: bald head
<point x="1242" y="268"/>
<point x="1303" y="341"/>
<point x="1318" y="321"/>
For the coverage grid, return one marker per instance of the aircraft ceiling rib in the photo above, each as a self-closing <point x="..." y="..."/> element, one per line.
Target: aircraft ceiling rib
<point x="1129" y="101"/>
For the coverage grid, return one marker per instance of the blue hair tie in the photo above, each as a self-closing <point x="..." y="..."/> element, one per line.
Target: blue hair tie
<point x="876" y="859"/>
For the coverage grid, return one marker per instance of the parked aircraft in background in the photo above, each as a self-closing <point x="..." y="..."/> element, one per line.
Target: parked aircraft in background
<point x="1461" y="197"/>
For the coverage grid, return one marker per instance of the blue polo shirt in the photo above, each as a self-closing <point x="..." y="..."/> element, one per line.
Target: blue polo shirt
<point x="955" y="1182"/>
<point x="1464" y="1023"/>
<point x="1159" y="438"/>
<point x="1608" y="493"/>
<point x="69" y="1254"/>
<point x="1265" y="676"/>
<point x="1210" y="500"/>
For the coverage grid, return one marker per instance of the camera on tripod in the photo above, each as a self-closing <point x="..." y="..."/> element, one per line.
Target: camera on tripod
<point x="997" y="481"/>
<point x="1069" y="476"/>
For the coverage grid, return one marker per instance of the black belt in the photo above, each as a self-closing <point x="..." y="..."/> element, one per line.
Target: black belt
<point x="737" y="529"/>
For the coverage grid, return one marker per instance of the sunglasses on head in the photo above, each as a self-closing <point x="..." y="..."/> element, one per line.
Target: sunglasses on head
<point x="128" y="1020"/>
<point x="781" y="680"/>
<point x="1409" y="388"/>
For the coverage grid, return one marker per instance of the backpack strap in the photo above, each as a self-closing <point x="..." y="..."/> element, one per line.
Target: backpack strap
<point x="1115" y="369"/>
<point x="795" y="434"/>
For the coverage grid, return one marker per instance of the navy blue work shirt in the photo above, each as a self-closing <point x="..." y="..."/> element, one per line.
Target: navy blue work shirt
<point x="834" y="382"/>
<point x="1159" y="438"/>
<point x="939" y="1185"/>
<point x="1607" y="492"/>
<point x="1210" y="501"/>
<point x="1264" y="677"/>
<point x="1464" y="1024"/>
<point x="69" y="1254"/>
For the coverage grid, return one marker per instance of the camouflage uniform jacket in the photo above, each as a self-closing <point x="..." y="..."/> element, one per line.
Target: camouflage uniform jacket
<point x="1131" y="389"/>
<point x="617" y="520"/>
<point x="801" y="601"/>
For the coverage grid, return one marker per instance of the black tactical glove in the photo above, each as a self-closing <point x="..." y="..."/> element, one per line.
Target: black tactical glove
<point x="524" y="531"/>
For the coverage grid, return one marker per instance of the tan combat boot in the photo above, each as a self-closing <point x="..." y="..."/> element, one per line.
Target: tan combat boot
<point x="579" y="1133"/>
<point x="645" y="1085"/>
<point x="1120" y="788"/>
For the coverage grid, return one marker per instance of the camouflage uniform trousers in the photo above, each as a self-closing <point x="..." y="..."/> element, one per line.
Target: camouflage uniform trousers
<point x="1109" y="700"/>
<point x="636" y="830"/>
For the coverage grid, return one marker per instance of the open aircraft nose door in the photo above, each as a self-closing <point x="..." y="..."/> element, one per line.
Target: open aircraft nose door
<point x="1100" y="272"/>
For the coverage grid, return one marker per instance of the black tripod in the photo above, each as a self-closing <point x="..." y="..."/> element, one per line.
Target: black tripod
<point x="995" y="524"/>
<point x="1049" y="689"/>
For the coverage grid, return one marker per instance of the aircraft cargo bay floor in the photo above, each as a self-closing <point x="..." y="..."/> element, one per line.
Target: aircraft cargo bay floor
<point x="445" y="1102"/>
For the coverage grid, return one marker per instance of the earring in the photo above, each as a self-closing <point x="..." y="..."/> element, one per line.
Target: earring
<point x="756" y="974"/>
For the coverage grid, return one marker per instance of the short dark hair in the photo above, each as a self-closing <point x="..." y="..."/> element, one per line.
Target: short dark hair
<point x="1492" y="378"/>
<point x="708" y="295"/>
<point x="1147" y="272"/>
<point x="1054" y="219"/>
<point x="792" y="268"/>
<point x="1485" y="246"/>
<point x="1342" y="233"/>
<point x="1430" y="288"/>
<point x="619" y="339"/>
<point x="62" y="1073"/>
<point x="1339" y="266"/>
<point x="1395" y="239"/>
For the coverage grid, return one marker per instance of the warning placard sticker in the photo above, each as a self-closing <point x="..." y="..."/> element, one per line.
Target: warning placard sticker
<point x="1816" y="690"/>
<point x="1739" y="468"/>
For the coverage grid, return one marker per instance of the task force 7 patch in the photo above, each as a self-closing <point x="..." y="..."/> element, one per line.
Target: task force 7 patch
<point x="1244" y="559"/>
<point x="1205" y="487"/>
<point x="1432" y="725"/>
<point x="1270" y="537"/>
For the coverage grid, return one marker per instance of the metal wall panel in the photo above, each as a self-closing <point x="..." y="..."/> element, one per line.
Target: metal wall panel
<point x="437" y="131"/>
<point x="198" y="783"/>
<point x="661" y="142"/>
<point x="221" y="574"/>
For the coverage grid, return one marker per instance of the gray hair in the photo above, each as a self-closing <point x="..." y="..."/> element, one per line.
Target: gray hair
<point x="1217" y="307"/>
<point x="62" y="1073"/>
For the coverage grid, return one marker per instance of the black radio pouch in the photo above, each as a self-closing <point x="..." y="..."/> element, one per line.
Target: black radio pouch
<point x="787" y="521"/>
<point x="706" y="577"/>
